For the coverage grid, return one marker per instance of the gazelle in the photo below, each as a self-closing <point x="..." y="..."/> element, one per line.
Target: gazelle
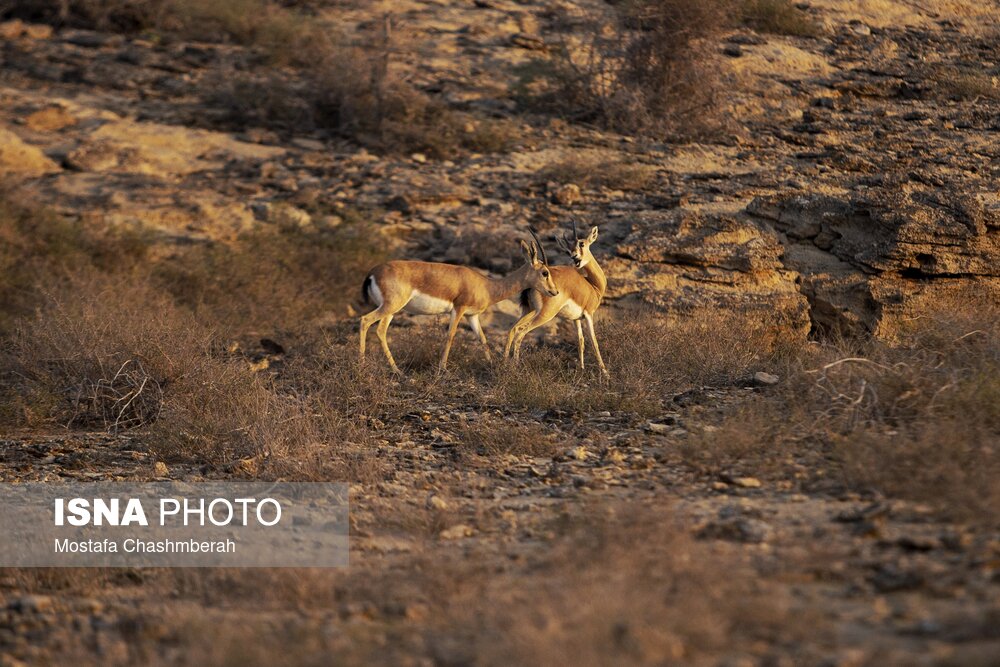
<point x="432" y="288"/>
<point x="579" y="296"/>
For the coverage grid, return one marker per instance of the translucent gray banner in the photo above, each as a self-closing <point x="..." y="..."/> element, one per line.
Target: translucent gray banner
<point x="174" y="524"/>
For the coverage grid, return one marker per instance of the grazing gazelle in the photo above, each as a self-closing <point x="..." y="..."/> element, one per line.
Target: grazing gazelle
<point x="579" y="296"/>
<point x="432" y="288"/>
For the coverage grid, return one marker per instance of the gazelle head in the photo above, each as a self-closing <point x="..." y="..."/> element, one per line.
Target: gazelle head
<point x="538" y="266"/>
<point x="578" y="248"/>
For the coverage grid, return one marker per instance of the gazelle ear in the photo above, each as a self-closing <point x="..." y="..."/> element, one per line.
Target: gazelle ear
<point x="528" y="250"/>
<point x="593" y="235"/>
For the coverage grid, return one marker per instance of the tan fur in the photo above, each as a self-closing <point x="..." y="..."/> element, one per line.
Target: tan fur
<point x="463" y="291"/>
<point x="583" y="287"/>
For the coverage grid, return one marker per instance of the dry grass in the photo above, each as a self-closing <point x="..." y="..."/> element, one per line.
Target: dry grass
<point x="650" y="359"/>
<point x="100" y="354"/>
<point x="273" y="280"/>
<point x="915" y="419"/>
<point x="98" y="340"/>
<point x="612" y="584"/>
<point x="190" y="401"/>
<point x="39" y="246"/>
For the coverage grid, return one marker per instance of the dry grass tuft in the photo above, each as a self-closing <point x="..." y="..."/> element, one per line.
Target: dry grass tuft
<point x="492" y="435"/>
<point x="99" y="353"/>
<point x="112" y="356"/>
<point x="780" y="17"/>
<point x="589" y="168"/>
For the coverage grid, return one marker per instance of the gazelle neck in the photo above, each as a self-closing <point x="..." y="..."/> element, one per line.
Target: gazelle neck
<point x="595" y="276"/>
<point x="513" y="283"/>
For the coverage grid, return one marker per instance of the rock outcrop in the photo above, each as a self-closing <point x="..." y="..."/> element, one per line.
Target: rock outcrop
<point x="683" y="261"/>
<point x="868" y="259"/>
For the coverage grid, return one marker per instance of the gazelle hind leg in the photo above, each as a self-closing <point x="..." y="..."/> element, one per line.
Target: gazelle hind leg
<point x="579" y="340"/>
<point x="367" y="320"/>
<point x="477" y="328"/>
<point x="593" y="340"/>
<point x="383" y="328"/>
<point x="456" y="317"/>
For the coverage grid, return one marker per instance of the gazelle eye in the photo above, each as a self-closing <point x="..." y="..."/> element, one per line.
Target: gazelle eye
<point x="545" y="274"/>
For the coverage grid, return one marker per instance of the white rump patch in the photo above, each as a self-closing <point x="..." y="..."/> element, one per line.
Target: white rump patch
<point x="572" y="310"/>
<point x="424" y="304"/>
<point x="375" y="292"/>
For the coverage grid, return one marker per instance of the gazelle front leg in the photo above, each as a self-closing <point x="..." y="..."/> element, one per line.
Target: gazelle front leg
<point x="579" y="341"/>
<point x="512" y="334"/>
<point x="593" y="339"/>
<point x="541" y="319"/>
<point x="477" y="327"/>
<point x="456" y="317"/>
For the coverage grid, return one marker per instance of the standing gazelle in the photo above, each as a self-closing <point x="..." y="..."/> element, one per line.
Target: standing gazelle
<point x="432" y="288"/>
<point x="579" y="296"/>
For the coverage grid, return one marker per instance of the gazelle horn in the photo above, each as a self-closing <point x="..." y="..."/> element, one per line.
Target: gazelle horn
<point x="538" y="243"/>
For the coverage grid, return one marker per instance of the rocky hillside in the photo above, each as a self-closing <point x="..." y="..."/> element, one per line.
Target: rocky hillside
<point x="858" y="181"/>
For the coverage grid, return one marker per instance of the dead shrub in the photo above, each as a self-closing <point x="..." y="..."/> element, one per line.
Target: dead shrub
<point x="102" y="354"/>
<point x="648" y="68"/>
<point x="265" y="99"/>
<point x="951" y="465"/>
<point x="961" y="83"/>
<point x="780" y="17"/>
